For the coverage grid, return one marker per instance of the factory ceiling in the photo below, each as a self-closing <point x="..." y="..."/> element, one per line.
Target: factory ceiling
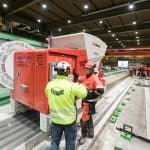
<point x="120" y="23"/>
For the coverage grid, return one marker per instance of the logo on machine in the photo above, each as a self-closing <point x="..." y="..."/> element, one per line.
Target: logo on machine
<point x="95" y="44"/>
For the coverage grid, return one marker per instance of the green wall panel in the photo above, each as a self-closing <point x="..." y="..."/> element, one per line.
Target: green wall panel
<point x="10" y="37"/>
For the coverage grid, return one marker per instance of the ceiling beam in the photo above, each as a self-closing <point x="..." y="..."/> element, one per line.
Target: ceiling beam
<point x="125" y="28"/>
<point x="105" y="13"/>
<point x="128" y="44"/>
<point x="133" y="37"/>
<point x="20" y="6"/>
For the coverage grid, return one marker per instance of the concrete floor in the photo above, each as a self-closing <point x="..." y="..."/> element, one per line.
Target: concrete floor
<point x="6" y="111"/>
<point x="133" y="114"/>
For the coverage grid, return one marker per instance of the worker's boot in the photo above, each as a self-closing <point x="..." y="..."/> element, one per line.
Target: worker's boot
<point x="81" y="140"/>
<point x="91" y="132"/>
<point x="84" y="130"/>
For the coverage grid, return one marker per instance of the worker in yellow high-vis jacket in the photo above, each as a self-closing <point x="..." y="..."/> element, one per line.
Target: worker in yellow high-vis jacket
<point x="61" y="95"/>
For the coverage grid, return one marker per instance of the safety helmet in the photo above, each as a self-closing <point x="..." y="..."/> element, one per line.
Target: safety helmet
<point x="89" y="65"/>
<point x="63" y="68"/>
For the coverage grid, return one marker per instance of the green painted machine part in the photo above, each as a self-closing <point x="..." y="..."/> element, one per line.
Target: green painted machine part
<point x="116" y="113"/>
<point x="113" y="119"/>
<point x="126" y="135"/>
<point x="119" y="109"/>
<point x="123" y="103"/>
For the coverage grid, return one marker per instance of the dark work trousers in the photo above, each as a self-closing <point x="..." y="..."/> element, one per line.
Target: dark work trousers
<point x="92" y="107"/>
<point x="70" y="132"/>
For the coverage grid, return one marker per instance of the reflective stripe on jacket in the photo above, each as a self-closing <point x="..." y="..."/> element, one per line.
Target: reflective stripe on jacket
<point x="61" y="95"/>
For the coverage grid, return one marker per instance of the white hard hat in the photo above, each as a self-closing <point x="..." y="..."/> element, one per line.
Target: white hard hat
<point x="63" y="67"/>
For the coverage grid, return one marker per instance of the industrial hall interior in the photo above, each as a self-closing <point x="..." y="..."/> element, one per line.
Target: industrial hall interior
<point x="74" y="74"/>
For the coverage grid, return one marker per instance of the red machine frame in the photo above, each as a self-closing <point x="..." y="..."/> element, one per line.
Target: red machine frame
<point x="34" y="68"/>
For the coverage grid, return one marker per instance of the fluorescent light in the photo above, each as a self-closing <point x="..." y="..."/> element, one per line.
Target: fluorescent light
<point x="69" y="21"/>
<point x="109" y="31"/>
<point x="44" y="6"/>
<point x="137" y="37"/>
<point x="136" y="32"/>
<point x="117" y="39"/>
<point x="131" y="6"/>
<point x="39" y="20"/>
<point x="100" y="21"/>
<point x="59" y="29"/>
<point x="137" y="40"/>
<point x="4" y="5"/>
<point x="86" y="6"/>
<point x="134" y="22"/>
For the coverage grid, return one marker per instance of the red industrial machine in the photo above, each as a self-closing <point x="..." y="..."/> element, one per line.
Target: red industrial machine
<point x="33" y="69"/>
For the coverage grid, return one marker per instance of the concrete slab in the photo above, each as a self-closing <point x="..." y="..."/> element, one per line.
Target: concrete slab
<point x="133" y="114"/>
<point x="110" y="138"/>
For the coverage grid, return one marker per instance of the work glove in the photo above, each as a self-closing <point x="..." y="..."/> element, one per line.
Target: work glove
<point x="75" y="75"/>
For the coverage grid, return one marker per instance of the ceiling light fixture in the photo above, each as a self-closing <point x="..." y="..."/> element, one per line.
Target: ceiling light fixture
<point x="134" y="22"/>
<point x="39" y="20"/>
<point x="137" y="40"/>
<point x="4" y="5"/>
<point x="136" y="32"/>
<point x="83" y="30"/>
<point x="44" y="6"/>
<point x="69" y="21"/>
<point x="139" y="43"/>
<point x="100" y="22"/>
<point x="109" y="31"/>
<point x="117" y="39"/>
<point x="86" y="6"/>
<point x="59" y="29"/>
<point x="137" y="37"/>
<point x="131" y="6"/>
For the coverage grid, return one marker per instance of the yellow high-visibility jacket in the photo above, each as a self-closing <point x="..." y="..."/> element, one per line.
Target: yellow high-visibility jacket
<point x="61" y="95"/>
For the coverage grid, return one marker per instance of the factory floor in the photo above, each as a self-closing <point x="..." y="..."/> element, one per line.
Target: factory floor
<point x="135" y="114"/>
